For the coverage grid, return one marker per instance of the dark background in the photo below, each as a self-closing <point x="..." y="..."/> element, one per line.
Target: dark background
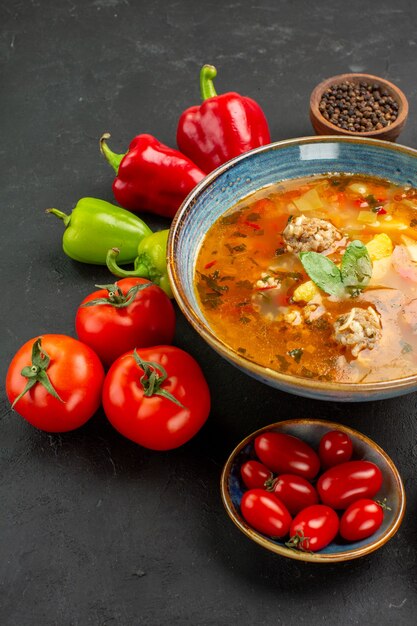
<point x="94" y="529"/>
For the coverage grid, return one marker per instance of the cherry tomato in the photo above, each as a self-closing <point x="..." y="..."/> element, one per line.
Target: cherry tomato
<point x="342" y="484"/>
<point x="314" y="528"/>
<point x="65" y="378"/>
<point x="157" y="397"/>
<point x="132" y="313"/>
<point x="335" y="447"/>
<point x="265" y="513"/>
<point x="254" y="474"/>
<point x="361" y="519"/>
<point x="285" y="454"/>
<point x="295" y="492"/>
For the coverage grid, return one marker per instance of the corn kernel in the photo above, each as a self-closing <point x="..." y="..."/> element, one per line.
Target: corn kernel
<point x="305" y="292"/>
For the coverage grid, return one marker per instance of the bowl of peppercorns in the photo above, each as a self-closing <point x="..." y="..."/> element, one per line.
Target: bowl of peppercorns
<point x="358" y="104"/>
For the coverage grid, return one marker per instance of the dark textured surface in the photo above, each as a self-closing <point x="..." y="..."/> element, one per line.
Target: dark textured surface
<point x="93" y="529"/>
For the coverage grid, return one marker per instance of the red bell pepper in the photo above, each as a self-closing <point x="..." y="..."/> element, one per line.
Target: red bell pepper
<point x="151" y="177"/>
<point x="222" y="127"/>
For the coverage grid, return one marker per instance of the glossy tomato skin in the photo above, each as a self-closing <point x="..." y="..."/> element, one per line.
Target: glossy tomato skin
<point x="295" y="492"/>
<point x="76" y="374"/>
<point x="318" y="523"/>
<point x="361" y="519"/>
<point x="335" y="447"/>
<point x="285" y="454"/>
<point x="148" y="321"/>
<point x="264" y="512"/>
<point x="342" y="484"/>
<point x="156" y="422"/>
<point x="255" y="474"/>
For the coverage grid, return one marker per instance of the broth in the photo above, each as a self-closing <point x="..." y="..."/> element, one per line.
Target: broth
<point x="259" y="299"/>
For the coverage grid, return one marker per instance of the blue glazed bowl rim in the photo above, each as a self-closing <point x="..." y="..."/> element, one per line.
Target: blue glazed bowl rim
<point x="314" y="557"/>
<point x="399" y="385"/>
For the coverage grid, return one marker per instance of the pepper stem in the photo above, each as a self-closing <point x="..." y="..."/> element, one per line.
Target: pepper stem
<point x="62" y="216"/>
<point x="111" y="157"/>
<point x="207" y="74"/>
<point x="140" y="271"/>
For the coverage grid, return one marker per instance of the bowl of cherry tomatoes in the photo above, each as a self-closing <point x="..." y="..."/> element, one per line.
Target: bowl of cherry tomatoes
<point x="313" y="490"/>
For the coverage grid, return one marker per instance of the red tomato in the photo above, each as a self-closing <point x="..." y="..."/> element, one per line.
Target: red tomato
<point x="361" y="519"/>
<point x="295" y="492"/>
<point x="314" y="528"/>
<point x="135" y="397"/>
<point x="75" y="374"/>
<point x="125" y="317"/>
<point x="335" y="447"/>
<point x="254" y="474"/>
<point x="341" y="485"/>
<point x="285" y="454"/>
<point x="265" y="513"/>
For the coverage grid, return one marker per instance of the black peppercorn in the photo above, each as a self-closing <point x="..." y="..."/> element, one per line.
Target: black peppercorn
<point x="358" y="107"/>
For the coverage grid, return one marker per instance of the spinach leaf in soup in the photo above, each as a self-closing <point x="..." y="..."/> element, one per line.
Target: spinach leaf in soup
<point x="352" y="277"/>
<point x="356" y="268"/>
<point x="323" y="272"/>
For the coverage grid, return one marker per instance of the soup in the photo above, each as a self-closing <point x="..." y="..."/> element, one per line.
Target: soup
<point x="317" y="278"/>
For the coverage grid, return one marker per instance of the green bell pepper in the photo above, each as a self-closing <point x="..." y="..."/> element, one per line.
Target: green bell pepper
<point x="151" y="261"/>
<point x="95" y="225"/>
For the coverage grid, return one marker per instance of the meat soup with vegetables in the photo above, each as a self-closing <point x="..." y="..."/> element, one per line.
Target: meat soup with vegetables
<point x="317" y="278"/>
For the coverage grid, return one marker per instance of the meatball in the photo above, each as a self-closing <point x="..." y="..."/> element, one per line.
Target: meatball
<point x="358" y="329"/>
<point x="304" y="234"/>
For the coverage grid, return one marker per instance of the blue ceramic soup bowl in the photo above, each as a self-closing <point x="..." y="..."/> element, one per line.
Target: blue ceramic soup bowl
<point x="311" y="431"/>
<point x="241" y="177"/>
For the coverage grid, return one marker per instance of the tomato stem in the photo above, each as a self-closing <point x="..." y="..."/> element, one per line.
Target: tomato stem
<point x="154" y="375"/>
<point x="270" y="483"/>
<point x="116" y="297"/>
<point x="296" y="541"/>
<point x="383" y="504"/>
<point x="36" y="373"/>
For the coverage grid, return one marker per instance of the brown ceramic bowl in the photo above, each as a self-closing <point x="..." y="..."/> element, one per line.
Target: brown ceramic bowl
<point x="311" y="431"/>
<point x="324" y="127"/>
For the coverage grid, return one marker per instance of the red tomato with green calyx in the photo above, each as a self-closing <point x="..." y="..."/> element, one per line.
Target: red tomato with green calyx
<point x="264" y="512"/>
<point x="54" y="382"/>
<point x="361" y="519"/>
<point x="295" y="492"/>
<point x="131" y="313"/>
<point x="335" y="447"/>
<point x="313" y="528"/>
<point x="255" y="474"/>
<point x="157" y="397"/>
<point x="341" y="485"/>
<point x="285" y="454"/>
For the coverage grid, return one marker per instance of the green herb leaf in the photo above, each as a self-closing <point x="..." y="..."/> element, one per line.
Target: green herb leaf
<point x="232" y="218"/>
<point x="253" y="217"/>
<point x="356" y="268"/>
<point x="283" y="363"/>
<point x="212" y="281"/>
<point x="371" y="200"/>
<point x="296" y="354"/>
<point x="280" y="251"/>
<point x="406" y="347"/>
<point x="323" y="272"/>
<point x="232" y="249"/>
